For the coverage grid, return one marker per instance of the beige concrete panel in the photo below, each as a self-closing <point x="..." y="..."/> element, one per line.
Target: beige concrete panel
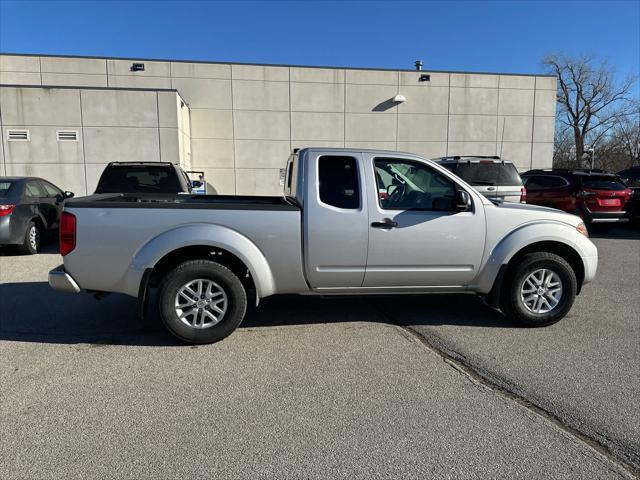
<point x="170" y="144"/>
<point x="43" y="146"/>
<point x="93" y="171"/>
<point x="186" y="159"/>
<point x="542" y="156"/>
<point x="168" y="109"/>
<point x="119" y="108"/>
<point x="74" y="80"/>
<point x="220" y="181"/>
<point x="372" y="145"/>
<point x="372" y="77"/>
<point x="262" y="153"/>
<point x="546" y="83"/>
<point x="514" y="129"/>
<point x="259" y="72"/>
<point x="472" y="148"/>
<point x="261" y="125"/>
<point x="365" y="127"/>
<point x="109" y="144"/>
<point x="518" y="152"/>
<point x="317" y="97"/>
<point x="253" y="95"/>
<point x="517" y="81"/>
<point x="68" y="176"/>
<point x="424" y="99"/>
<point x="73" y="65"/>
<point x="211" y="123"/>
<point x="482" y="101"/>
<point x="371" y="98"/>
<point x="545" y="103"/>
<point x="20" y="78"/>
<point x="544" y="129"/>
<point x="317" y="126"/>
<point x="474" y="80"/>
<point x="264" y="181"/>
<point x="184" y="116"/>
<point x="515" y="102"/>
<point x="472" y="128"/>
<point x="436" y="79"/>
<point x="151" y="69"/>
<point x="422" y="128"/>
<point x="16" y="63"/>
<point x="424" y="149"/>
<point x="40" y="106"/>
<point x="135" y="81"/>
<point x="208" y="152"/>
<point x="320" y="75"/>
<point x="315" y="143"/>
<point x="200" y="70"/>
<point x="204" y="93"/>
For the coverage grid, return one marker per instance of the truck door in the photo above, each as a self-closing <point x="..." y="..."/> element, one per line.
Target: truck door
<point x="335" y="220"/>
<point x="417" y="236"/>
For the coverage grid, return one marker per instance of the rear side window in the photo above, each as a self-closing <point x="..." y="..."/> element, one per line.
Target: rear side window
<point x="603" y="183"/>
<point x="144" y="178"/>
<point x="338" y="181"/>
<point x="489" y="174"/>
<point x="5" y="187"/>
<point x="537" y="182"/>
<point x="50" y="189"/>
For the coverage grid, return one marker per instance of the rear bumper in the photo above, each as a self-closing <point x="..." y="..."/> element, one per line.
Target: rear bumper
<point x="606" y="217"/>
<point x="60" y="280"/>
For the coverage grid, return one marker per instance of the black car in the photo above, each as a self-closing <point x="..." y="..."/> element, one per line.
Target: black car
<point x="30" y="208"/>
<point x="631" y="176"/>
<point x="144" y="177"/>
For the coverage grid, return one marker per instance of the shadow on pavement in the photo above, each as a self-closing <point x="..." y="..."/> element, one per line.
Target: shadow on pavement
<point x="33" y="312"/>
<point x="49" y="247"/>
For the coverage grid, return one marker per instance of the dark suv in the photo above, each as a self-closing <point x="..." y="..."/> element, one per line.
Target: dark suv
<point x="144" y="177"/>
<point x="594" y="195"/>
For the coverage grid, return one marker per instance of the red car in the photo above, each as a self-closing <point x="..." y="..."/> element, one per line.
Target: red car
<point x="594" y="195"/>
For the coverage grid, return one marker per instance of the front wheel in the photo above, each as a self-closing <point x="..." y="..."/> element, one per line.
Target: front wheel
<point x="540" y="290"/>
<point x="31" y="241"/>
<point x="202" y="301"/>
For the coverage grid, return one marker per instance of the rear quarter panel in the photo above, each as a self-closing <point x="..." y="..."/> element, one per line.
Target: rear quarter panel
<point x="110" y="242"/>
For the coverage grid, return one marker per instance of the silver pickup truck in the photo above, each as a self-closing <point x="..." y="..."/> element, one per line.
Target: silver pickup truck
<point x="350" y="222"/>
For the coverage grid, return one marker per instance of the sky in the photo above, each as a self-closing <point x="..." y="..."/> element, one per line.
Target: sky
<point x="503" y="36"/>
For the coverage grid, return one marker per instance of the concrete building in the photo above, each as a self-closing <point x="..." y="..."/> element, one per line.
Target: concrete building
<point x="64" y="118"/>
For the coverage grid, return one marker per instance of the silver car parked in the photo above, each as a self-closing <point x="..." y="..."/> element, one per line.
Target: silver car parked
<point x="493" y="177"/>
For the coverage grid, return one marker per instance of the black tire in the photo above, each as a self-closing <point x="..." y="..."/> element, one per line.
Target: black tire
<point x="223" y="278"/>
<point x="512" y="304"/>
<point x="31" y="241"/>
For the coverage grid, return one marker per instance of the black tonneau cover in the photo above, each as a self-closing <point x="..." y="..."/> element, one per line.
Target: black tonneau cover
<point x="213" y="202"/>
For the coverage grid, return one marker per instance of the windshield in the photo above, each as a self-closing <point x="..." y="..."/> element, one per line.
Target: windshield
<point x="4" y="188"/>
<point x="603" y="183"/>
<point x="490" y="174"/>
<point x="143" y="178"/>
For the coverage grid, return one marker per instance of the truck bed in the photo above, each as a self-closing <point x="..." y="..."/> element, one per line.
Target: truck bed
<point x="182" y="201"/>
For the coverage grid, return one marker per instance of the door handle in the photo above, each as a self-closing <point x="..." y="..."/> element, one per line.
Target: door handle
<point x="491" y="189"/>
<point x="386" y="223"/>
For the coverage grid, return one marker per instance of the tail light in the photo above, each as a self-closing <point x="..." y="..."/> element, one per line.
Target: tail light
<point x="67" y="233"/>
<point x="523" y="195"/>
<point x="6" y="210"/>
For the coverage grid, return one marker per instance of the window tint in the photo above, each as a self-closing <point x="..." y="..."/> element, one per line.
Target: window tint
<point x="537" y="182"/>
<point x="406" y="184"/>
<point x="4" y="188"/>
<point x="33" y="189"/>
<point x="338" y="181"/>
<point x="558" y="182"/>
<point x="632" y="179"/>
<point x="50" y="189"/>
<point x="131" y="179"/>
<point x="603" y="183"/>
<point x="490" y="173"/>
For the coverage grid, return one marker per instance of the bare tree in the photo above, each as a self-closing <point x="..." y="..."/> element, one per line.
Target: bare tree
<point x="590" y="101"/>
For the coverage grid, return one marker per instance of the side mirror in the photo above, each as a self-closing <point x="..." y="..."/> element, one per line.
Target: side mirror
<point x="68" y="194"/>
<point x="196" y="184"/>
<point x="463" y="200"/>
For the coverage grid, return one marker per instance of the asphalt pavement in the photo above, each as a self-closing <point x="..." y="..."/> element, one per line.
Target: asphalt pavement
<point x="316" y="388"/>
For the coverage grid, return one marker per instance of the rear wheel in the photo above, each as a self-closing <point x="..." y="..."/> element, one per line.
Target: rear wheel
<point x="32" y="238"/>
<point x="202" y="301"/>
<point x="540" y="290"/>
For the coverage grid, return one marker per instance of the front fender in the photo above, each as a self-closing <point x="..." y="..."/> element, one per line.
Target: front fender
<point x="518" y="239"/>
<point x="211" y="235"/>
